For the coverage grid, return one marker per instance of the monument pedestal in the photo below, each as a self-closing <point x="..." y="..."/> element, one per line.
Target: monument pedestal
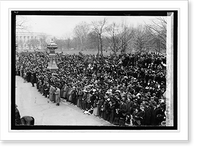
<point x="52" y="63"/>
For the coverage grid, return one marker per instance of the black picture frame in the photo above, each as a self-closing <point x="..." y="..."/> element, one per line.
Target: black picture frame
<point x="14" y="13"/>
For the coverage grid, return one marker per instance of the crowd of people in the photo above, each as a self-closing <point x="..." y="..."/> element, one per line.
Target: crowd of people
<point x="126" y="89"/>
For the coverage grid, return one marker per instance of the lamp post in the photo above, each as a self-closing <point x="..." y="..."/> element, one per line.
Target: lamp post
<point x="52" y="63"/>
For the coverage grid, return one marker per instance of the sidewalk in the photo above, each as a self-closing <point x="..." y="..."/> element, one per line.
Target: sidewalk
<point x="31" y="103"/>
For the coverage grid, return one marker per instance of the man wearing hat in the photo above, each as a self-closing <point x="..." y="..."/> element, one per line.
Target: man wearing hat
<point x="46" y="89"/>
<point x="139" y="116"/>
<point x="74" y="96"/>
<point x="158" y="113"/>
<point x="51" y="93"/>
<point x="147" y="116"/>
<point x="84" y="99"/>
<point x="122" y="110"/>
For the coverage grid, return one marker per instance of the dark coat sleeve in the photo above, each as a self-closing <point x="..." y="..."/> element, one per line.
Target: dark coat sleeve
<point x="147" y="116"/>
<point x="17" y="117"/>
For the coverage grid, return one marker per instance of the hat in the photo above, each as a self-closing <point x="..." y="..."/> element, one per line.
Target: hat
<point x="161" y="100"/>
<point x="163" y="123"/>
<point x="118" y="91"/>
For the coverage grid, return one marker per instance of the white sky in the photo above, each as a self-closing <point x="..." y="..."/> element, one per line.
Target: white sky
<point x="62" y="26"/>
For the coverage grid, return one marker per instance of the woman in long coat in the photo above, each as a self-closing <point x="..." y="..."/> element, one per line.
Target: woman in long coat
<point x="57" y="96"/>
<point x="65" y="91"/>
<point x="79" y="100"/>
<point x="95" y="112"/>
<point x="74" y="96"/>
<point x="84" y="99"/>
<point x="62" y="91"/>
<point x="99" y="104"/>
<point x="51" y="93"/>
<point x="69" y="95"/>
<point x="112" y="111"/>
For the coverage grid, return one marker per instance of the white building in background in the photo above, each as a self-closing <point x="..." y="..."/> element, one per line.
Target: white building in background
<point x="30" y="41"/>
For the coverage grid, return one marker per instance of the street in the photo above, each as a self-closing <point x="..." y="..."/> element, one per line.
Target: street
<point x="31" y="103"/>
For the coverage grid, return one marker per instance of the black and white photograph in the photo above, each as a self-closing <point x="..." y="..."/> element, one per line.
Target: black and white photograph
<point x="94" y="70"/>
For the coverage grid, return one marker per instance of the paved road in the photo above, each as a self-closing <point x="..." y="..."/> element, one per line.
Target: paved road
<point x="31" y="103"/>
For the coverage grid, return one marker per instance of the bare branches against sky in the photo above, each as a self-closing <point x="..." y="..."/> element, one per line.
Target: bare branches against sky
<point x="63" y="26"/>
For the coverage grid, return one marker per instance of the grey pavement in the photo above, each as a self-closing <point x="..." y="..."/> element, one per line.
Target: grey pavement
<point x="31" y="103"/>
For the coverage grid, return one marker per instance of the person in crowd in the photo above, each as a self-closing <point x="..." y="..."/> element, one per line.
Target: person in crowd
<point x="84" y="100"/>
<point x="57" y="96"/>
<point x="25" y="120"/>
<point x="25" y="76"/>
<point x="32" y="79"/>
<point x="46" y="89"/>
<point x="52" y="93"/>
<point x="74" y="96"/>
<point x="139" y="117"/>
<point x="122" y="112"/>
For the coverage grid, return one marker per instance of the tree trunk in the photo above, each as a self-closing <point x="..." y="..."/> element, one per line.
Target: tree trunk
<point x="114" y="47"/>
<point x="101" y="46"/>
<point x="97" y="46"/>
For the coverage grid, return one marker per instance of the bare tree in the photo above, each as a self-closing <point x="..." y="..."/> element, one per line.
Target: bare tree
<point x="126" y="36"/>
<point x="113" y="38"/>
<point x="158" y="31"/>
<point x="81" y="31"/>
<point x="99" y="28"/>
<point x="141" y="38"/>
<point x="120" y="37"/>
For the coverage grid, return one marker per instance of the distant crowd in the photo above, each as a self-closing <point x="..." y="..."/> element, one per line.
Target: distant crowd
<point x="126" y="90"/>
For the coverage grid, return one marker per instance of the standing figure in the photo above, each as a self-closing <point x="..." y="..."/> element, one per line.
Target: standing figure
<point x="139" y="117"/>
<point x="57" y="96"/>
<point x="65" y="91"/>
<point x="51" y="93"/>
<point x="32" y="79"/>
<point x="74" y="96"/>
<point x="122" y="113"/>
<point x="28" y="76"/>
<point x="25" y="76"/>
<point x="62" y="91"/>
<point x="95" y="109"/>
<point x="79" y="100"/>
<point x="84" y="100"/>
<point x="46" y="89"/>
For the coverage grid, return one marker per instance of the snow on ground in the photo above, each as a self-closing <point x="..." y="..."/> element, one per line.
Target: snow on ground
<point x="31" y="103"/>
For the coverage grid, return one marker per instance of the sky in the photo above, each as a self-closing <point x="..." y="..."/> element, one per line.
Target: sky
<point x="62" y="26"/>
